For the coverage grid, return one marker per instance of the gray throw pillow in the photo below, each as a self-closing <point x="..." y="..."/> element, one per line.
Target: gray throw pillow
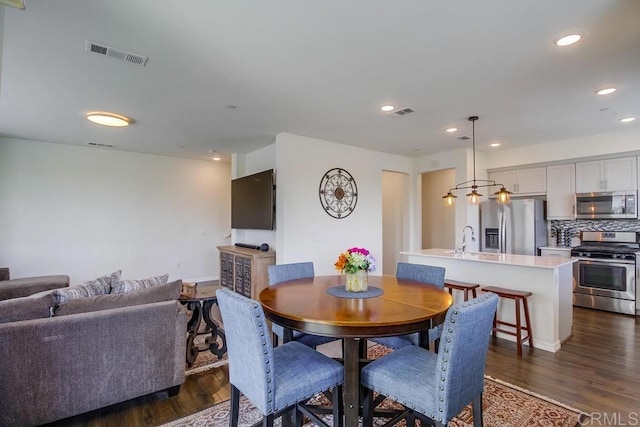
<point x="123" y="286"/>
<point x="27" y="308"/>
<point x="99" y="286"/>
<point x="166" y="292"/>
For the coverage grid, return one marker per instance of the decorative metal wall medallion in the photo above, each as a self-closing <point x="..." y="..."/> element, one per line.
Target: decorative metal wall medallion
<point x="338" y="193"/>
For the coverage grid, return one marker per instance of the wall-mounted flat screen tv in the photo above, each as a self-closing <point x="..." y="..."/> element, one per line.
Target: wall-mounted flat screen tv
<point x="253" y="201"/>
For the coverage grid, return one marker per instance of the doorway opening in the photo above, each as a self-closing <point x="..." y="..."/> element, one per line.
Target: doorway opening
<point x="438" y="220"/>
<point x="395" y="219"/>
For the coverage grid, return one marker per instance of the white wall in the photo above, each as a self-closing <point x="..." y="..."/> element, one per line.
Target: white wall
<point x="84" y="212"/>
<point x="304" y="230"/>
<point x="594" y="145"/>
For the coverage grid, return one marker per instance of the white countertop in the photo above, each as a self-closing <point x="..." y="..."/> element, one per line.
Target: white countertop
<point x="508" y="259"/>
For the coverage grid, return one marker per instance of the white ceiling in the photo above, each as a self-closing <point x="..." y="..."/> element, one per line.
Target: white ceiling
<point x="321" y="69"/>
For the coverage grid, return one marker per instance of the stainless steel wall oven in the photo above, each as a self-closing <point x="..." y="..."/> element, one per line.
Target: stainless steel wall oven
<point x="607" y="270"/>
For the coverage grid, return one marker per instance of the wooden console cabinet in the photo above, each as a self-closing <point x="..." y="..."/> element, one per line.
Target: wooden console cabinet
<point x="244" y="270"/>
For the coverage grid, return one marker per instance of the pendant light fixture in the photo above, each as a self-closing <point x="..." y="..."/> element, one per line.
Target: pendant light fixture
<point x="503" y="196"/>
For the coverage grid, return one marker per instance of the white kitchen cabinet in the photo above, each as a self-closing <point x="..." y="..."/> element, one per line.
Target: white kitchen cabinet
<point x="522" y="182"/>
<point x="508" y="179"/>
<point x="607" y="175"/>
<point x="561" y="189"/>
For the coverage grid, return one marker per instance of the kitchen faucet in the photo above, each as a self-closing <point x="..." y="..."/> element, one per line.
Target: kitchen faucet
<point x="464" y="237"/>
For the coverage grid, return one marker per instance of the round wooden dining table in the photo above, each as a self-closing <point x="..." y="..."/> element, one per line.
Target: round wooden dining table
<point x="404" y="307"/>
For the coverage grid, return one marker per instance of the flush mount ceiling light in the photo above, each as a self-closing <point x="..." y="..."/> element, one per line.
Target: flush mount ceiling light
<point x="627" y="119"/>
<point x="503" y="196"/>
<point x="606" y="91"/>
<point x="568" y="40"/>
<point x="387" y="108"/>
<point x="108" y="119"/>
<point x="450" y="130"/>
<point x="494" y="144"/>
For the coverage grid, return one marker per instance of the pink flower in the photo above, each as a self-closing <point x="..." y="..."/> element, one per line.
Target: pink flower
<point x="362" y="251"/>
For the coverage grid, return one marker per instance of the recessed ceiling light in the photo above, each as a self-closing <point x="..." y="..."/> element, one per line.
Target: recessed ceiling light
<point x="217" y="159"/>
<point x="450" y="130"/>
<point x="387" y="107"/>
<point x="606" y="91"/>
<point x="108" y="119"/>
<point x="627" y="119"/>
<point x="494" y="144"/>
<point x="568" y="40"/>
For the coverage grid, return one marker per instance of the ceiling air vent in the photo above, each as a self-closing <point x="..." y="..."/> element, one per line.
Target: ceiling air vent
<point x="464" y="138"/>
<point x="401" y="112"/>
<point x="97" y="144"/>
<point x="112" y="52"/>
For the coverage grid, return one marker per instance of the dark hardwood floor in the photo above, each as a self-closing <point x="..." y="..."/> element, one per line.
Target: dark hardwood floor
<point x="596" y="371"/>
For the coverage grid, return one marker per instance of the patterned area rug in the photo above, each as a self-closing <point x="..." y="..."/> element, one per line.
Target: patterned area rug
<point x="504" y="405"/>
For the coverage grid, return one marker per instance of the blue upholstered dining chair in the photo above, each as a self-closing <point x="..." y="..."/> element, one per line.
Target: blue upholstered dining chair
<point x="284" y="272"/>
<point x="436" y="387"/>
<point x="275" y="380"/>
<point x="419" y="273"/>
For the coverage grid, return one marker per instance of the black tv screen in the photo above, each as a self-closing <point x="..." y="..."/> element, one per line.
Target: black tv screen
<point x="253" y="201"/>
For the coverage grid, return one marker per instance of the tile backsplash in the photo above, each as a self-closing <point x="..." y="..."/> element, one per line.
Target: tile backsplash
<point x="567" y="233"/>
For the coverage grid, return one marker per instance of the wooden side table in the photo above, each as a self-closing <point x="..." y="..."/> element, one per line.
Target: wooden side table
<point x="200" y="305"/>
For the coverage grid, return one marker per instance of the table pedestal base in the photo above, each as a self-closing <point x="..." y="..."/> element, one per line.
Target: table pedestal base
<point x="200" y="311"/>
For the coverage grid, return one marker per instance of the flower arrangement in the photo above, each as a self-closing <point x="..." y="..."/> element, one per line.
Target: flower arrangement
<point x="355" y="259"/>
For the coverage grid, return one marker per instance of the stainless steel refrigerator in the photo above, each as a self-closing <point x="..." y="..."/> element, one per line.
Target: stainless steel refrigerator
<point x="515" y="228"/>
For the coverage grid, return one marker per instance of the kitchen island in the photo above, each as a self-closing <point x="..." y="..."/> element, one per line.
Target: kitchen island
<point x="549" y="279"/>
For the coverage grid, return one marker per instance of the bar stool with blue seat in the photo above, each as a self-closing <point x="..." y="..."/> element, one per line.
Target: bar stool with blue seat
<point x="420" y="273"/>
<point x="275" y="380"/>
<point x="436" y="387"/>
<point x="279" y="273"/>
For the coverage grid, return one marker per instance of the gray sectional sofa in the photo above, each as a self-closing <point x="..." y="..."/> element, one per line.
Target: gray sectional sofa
<point x="30" y="285"/>
<point x="59" y="360"/>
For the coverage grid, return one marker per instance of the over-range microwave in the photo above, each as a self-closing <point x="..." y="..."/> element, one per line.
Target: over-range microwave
<point x="618" y="204"/>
